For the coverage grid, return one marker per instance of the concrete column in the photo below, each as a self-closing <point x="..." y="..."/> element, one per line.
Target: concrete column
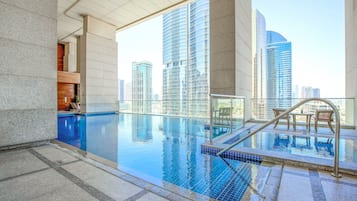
<point x="231" y="49"/>
<point x="70" y="58"/>
<point x="351" y="59"/>
<point x="98" y="67"/>
<point x="28" y="71"/>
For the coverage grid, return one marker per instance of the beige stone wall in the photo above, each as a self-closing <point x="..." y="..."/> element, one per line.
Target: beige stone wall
<point x="243" y="30"/>
<point x="231" y="49"/>
<point x="222" y="47"/>
<point x="98" y="67"/>
<point x="351" y="52"/>
<point x="70" y="58"/>
<point x="28" y="71"/>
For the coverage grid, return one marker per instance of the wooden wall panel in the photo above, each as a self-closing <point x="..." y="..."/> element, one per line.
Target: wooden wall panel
<point x="65" y="90"/>
<point x="60" y="54"/>
<point x="66" y="77"/>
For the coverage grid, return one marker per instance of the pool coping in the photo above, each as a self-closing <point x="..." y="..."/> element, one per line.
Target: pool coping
<point x="277" y="157"/>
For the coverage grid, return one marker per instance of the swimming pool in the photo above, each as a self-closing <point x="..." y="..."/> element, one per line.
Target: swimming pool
<point x="162" y="150"/>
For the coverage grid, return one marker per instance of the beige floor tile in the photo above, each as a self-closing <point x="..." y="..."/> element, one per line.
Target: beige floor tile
<point x="114" y="187"/>
<point x="83" y="170"/>
<point x="103" y="181"/>
<point x="295" y="188"/>
<point x="151" y="197"/>
<point x="292" y="169"/>
<point x="339" y="191"/>
<point x="66" y="193"/>
<point x="55" y="155"/>
<point x="15" y="163"/>
<point x="34" y="185"/>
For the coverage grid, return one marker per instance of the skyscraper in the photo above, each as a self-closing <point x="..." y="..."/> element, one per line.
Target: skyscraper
<point x="309" y="92"/>
<point x="259" y="64"/>
<point x="128" y="94"/>
<point x="121" y="90"/>
<point x="186" y="59"/>
<point x="141" y="86"/>
<point x="278" y="71"/>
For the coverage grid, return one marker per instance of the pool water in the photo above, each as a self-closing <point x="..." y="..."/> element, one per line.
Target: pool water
<point x="161" y="150"/>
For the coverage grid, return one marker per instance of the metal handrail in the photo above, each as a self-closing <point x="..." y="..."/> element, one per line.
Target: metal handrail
<point x="226" y="96"/>
<point x="337" y="134"/>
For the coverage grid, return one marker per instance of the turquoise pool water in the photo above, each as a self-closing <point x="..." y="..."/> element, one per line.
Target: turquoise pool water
<point x="161" y="150"/>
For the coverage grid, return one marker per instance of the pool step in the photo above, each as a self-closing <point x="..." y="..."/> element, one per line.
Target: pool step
<point x="231" y="154"/>
<point x="272" y="185"/>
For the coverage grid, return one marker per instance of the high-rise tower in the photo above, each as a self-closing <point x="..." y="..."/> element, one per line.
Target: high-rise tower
<point x="186" y="59"/>
<point x="141" y="86"/>
<point x="278" y="71"/>
<point x="259" y="65"/>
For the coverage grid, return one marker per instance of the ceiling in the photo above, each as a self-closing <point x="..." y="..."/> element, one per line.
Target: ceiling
<point x="120" y="13"/>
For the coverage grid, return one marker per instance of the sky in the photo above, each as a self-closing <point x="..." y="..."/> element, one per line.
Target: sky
<point x="315" y="29"/>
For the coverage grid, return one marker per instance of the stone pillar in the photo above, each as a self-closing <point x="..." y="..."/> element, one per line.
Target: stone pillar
<point x="28" y="71"/>
<point x="70" y="57"/>
<point x="351" y="59"/>
<point x="231" y="49"/>
<point x="98" y="67"/>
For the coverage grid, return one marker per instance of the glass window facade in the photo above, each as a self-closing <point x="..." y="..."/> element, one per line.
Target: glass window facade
<point x="279" y="71"/>
<point x="186" y="57"/>
<point x="141" y="87"/>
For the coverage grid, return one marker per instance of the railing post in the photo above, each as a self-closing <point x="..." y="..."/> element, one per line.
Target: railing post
<point x="210" y="120"/>
<point x="230" y="115"/>
<point x="337" y="144"/>
<point x="244" y="112"/>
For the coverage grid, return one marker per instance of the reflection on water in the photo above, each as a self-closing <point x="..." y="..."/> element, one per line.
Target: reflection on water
<point x="159" y="148"/>
<point x="313" y="146"/>
<point x="141" y="128"/>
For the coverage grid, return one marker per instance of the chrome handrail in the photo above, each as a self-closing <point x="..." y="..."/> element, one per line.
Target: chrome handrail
<point x="337" y="134"/>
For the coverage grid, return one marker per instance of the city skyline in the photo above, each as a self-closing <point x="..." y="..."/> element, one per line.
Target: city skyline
<point x="310" y="35"/>
<point x="313" y="27"/>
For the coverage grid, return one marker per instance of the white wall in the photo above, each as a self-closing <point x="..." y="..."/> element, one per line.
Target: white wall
<point x="28" y="71"/>
<point x="98" y="67"/>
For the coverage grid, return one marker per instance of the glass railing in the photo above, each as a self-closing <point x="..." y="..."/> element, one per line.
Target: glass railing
<point x="262" y="109"/>
<point x="226" y="114"/>
<point x="193" y="108"/>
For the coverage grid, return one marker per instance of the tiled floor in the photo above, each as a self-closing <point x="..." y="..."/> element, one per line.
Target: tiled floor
<point x="311" y="185"/>
<point x="50" y="173"/>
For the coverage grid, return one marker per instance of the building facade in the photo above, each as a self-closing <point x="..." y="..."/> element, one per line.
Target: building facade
<point x="141" y="87"/>
<point x="186" y="60"/>
<point x="279" y="69"/>
<point x="259" y="65"/>
<point x="121" y="90"/>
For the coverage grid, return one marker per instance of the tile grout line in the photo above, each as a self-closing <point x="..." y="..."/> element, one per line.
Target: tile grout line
<point x="77" y="181"/>
<point x="137" y="196"/>
<point x="318" y="193"/>
<point x="24" y="174"/>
